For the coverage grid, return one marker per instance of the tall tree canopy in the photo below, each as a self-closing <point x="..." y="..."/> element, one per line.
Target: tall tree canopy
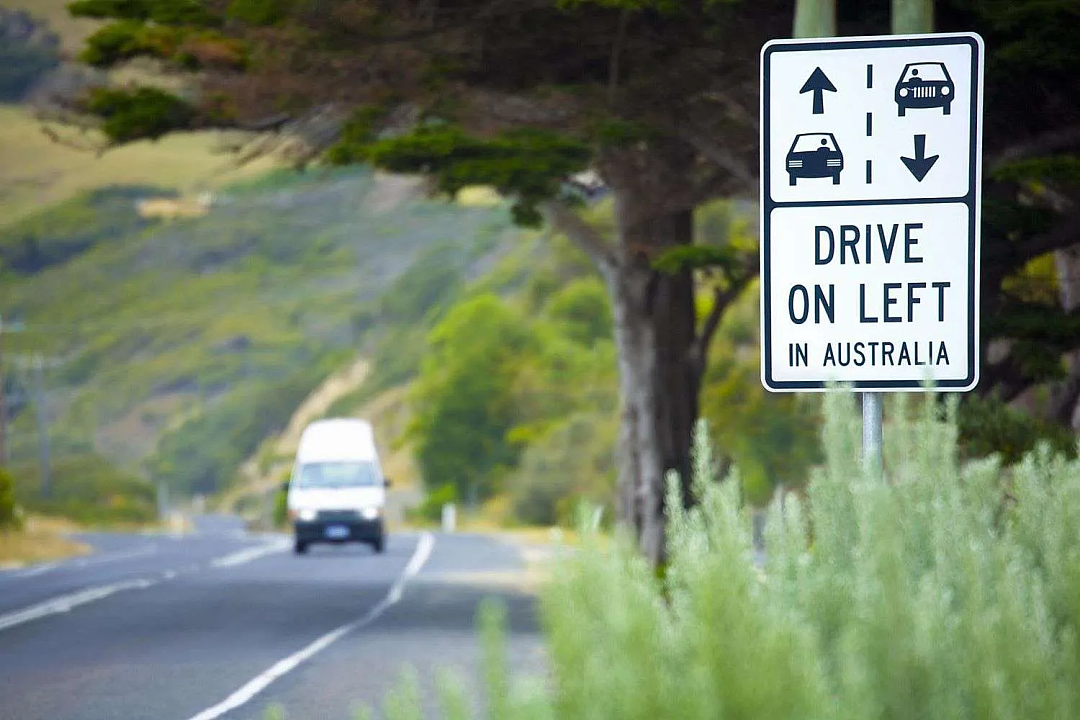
<point x="659" y="97"/>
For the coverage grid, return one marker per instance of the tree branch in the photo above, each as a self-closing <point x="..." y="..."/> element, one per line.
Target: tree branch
<point x="98" y="148"/>
<point x="584" y="236"/>
<point x="720" y="156"/>
<point x="1065" y="233"/>
<point x="722" y="299"/>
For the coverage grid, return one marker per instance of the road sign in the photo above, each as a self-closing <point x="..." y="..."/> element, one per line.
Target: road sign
<point x="871" y="174"/>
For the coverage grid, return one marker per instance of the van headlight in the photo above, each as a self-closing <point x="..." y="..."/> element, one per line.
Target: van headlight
<point x="306" y="514"/>
<point x="370" y="513"/>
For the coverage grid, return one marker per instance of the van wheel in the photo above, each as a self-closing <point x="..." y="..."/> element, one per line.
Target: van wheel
<point x="299" y="548"/>
<point x="901" y="110"/>
<point x="379" y="545"/>
<point x="947" y="110"/>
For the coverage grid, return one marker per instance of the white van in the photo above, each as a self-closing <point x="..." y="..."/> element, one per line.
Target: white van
<point x="337" y="493"/>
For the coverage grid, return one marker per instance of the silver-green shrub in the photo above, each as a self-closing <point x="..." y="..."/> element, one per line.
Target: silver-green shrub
<point x="940" y="591"/>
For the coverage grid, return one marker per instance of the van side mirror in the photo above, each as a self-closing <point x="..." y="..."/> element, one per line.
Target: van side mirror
<point x="284" y="487"/>
<point x="386" y="482"/>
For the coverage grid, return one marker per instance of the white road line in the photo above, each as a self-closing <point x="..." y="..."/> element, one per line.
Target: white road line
<point x="64" y="603"/>
<point x="262" y="681"/>
<point x="246" y="556"/>
<point x="113" y="557"/>
<point x="35" y="570"/>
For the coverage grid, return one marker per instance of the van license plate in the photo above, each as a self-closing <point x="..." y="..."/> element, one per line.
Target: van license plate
<point x="336" y="532"/>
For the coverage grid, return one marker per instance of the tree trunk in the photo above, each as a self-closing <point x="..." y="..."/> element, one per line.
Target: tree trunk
<point x="1064" y="397"/>
<point x="659" y="372"/>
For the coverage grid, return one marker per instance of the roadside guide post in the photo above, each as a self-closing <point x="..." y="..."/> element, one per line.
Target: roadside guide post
<point x="871" y="175"/>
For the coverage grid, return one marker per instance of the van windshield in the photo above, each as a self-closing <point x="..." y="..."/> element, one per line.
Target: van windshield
<point x="336" y="475"/>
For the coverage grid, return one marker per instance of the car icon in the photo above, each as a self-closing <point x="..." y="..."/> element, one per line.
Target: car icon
<point x="814" y="155"/>
<point x="925" y="85"/>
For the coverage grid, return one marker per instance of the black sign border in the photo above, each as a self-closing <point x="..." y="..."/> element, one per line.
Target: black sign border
<point x="971" y="200"/>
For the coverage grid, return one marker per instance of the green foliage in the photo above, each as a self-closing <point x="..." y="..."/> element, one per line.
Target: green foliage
<point x="526" y="165"/>
<point x="697" y="257"/>
<point x="429" y="284"/>
<point x="143" y="113"/>
<point x="193" y="457"/>
<point x="463" y="396"/>
<point x="430" y="508"/>
<point x="28" y="52"/>
<point x="187" y="48"/>
<point x="1055" y="168"/>
<point x="165" y="12"/>
<point x="573" y="461"/>
<point x="772" y="437"/>
<point x="165" y="325"/>
<point x="87" y="489"/>
<point x="281" y="508"/>
<point x="582" y="311"/>
<point x="988" y="426"/>
<point x="60" y="233"/>
<point x="358" y="132"/>
<point x="126" y="39"/>
<point x="257" y="12"/>
<point x="924" y="596"/>
<point x="9" y="517"/>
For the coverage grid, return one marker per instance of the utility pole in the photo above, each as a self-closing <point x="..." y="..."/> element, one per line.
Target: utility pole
<point x="42" y="423"/>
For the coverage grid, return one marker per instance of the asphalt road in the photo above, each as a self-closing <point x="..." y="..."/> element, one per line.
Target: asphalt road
<point x="220" y="624"/>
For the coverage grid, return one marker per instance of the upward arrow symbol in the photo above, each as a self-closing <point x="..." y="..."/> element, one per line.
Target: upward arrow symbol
<point x="920" y="164"/>
<point x="817" y="83"/>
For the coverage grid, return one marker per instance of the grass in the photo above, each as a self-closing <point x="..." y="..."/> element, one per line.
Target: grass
<point x="37" y="172"/>
<point x="204" y="316"/>
<point x="41" y="540"/>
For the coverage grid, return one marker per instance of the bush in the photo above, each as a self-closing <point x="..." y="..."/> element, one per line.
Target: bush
<point x="920" y="596"/>
<point x="572" y="461"/>
<point x="988" y="425"/>
<point x="430" y="510"/>
<point x="9" y="513"/>
<point x="87" y="489"/>
<point x="582" y="310"/>
<point x="281" y="508"/>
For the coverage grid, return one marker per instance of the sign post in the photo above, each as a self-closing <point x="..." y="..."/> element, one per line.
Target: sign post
<point x="871" y="174"/>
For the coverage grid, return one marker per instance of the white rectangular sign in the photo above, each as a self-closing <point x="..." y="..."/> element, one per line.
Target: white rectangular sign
<point x="871" y="169"/>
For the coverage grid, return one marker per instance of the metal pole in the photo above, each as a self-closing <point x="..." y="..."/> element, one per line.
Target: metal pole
<point x="3" y="401"/>
<point x="912" y="17"/>
<point x="42" y="423"/>
<point x="871" y="432"/>
<point x="815" y="18"/>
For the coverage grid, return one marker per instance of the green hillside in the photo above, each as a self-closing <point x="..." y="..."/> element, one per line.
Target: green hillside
<point x="177" y="346"/>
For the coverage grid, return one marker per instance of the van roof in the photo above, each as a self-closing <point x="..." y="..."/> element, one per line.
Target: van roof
<point x="337" y="439"/>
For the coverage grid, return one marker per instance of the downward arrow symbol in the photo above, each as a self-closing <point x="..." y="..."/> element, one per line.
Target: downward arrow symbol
<point x="920" y="164"/>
